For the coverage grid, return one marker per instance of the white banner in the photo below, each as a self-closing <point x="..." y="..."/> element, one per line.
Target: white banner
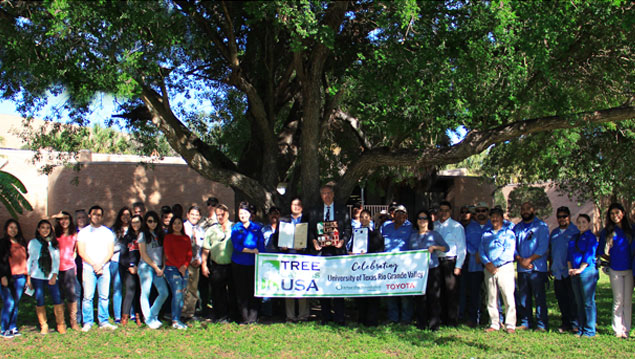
<point x="365" y="275"/>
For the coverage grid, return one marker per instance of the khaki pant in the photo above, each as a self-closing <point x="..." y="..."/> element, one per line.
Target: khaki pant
<point x="191" y="292"/>
<point x="303" y="308"/>
<point x="504" y="281"/>
<point x="622" y="286"/>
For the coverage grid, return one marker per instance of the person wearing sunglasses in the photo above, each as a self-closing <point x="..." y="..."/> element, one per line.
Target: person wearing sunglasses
<point x="558" y="246"/>
<point x="474" y="273"/>
<point x="151" y="270"/>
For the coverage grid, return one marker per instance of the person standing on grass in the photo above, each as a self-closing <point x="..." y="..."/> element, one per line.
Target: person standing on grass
<point x="216" y="264"/>
<point x="13" y="272"/>
<point x="81" y="221"/>
<point x="617" y="247"/>
<point x="474" y="274"/>
<point x="193" y="230"/>
<point x="396" y="239"/>
<point x="429" y="305"/>
<point x="273" y="215"/>
<point x="151" y="270"/>
<point x="450" y="262"/>
<point x="248" y="241"/>
<point x="128" y="268"/>
<point x="581" y="262"/>
<point x="120" y="228"/>
<point x="66" y="235"/>
<point x="532" y="245"/>
<point x="43" y="265"/>
<point x="496" y="251"/>
<point x="330" y="212"/>
<point x="297" y="216"/>
<point x="177" y="250"/>
<point x="558" y="248"/>
<point x="95" y="245"/>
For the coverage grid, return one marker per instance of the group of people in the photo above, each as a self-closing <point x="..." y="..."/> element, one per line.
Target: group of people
<point x="205" y="264"/>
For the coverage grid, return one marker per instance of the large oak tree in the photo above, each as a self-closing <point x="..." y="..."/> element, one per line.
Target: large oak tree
<point x="255" y="94"/>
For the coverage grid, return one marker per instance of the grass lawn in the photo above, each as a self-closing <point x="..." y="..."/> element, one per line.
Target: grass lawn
<point x="311" y="340"/>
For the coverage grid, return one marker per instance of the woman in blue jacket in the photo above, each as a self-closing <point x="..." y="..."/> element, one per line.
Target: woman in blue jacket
<point x="616" y="247"/>
<point x="584" y="274"/>
<point x="248" y="241"/>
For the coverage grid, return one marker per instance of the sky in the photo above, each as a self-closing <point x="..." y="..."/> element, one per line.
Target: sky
<point x="103" y="106"/>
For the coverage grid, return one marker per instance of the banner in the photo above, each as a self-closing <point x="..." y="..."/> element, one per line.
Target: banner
<point x="365" y="275"/>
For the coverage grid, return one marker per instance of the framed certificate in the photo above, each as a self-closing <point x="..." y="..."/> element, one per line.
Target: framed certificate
<point x="360" y="240"/>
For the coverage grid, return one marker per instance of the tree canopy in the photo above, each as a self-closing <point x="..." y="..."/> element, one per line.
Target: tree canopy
<point x="255" y="94"/>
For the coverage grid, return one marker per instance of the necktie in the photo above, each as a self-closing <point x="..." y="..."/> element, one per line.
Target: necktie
<point x="327" y="216"/>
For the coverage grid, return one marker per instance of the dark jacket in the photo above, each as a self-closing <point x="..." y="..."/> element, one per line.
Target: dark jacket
<point x="343" y="219"/>
<point x="273" y="243"/>
<point x="5" y="252"/>
<point x="130" y="254"/>
<point x="375" y="241"/>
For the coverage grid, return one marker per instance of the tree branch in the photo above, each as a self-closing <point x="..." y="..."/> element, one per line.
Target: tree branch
<point x="209" y="162"/>
<point x="475" y="141"/>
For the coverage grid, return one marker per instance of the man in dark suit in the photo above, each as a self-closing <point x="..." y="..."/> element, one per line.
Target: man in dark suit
<point x="328" y="212"/>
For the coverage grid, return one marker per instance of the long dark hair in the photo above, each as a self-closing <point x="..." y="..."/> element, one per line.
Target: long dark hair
<point x="610" y="225"/>
<point x="59" y="231"/>
<point x="174" y="218"/>
<point x="158" y="232"/>
<point x="18" y="237"/>
<point x="430" y="222"/>
<point x="46" y="261"/>
<point x="117" y="227"/>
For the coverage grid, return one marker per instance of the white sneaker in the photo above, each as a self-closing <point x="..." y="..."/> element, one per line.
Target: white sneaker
<point x="154" y="324"/>
<point x="179" y="325"/>
<point x="106" y="325"/>
<point x="87" y="327"/>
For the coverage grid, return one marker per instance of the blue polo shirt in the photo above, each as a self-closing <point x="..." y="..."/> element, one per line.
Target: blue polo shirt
<point x="584" y="251"/>
<point x="621" y="254"/>
<point x="473" y="234"/>
<point x="532" y="238"/>
<point x="497" y="248"/>
<point x="559" y="245"/>
<point x="423" y="241"/>
<point x="396" y="239"/>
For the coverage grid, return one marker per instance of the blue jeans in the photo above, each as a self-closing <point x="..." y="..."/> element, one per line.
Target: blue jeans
<point x="566" y="302"/>
<point x="54" y="291"/>
<point x="584" y="294"/>
<point x="147" y="277"/>
<point x="11" y="295"/>
<point x="177" y="284"/>
<point x="78" y="299"/>
<point x="531" y="285"/>
<point x="102" y="282"/>
<point x="117" y="290"/>
<point x="400" y="309"/>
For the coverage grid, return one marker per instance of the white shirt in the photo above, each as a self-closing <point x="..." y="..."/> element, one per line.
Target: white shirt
<point x="454" y="234"/>
<point x="197" y="237"/>
<point x="98" y="242"/>
<point x="331" y="211"/>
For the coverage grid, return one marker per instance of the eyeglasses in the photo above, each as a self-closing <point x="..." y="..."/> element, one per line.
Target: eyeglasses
<point x="562" y="216"/>
<point x="422" y="218"/>
<point x="464" y="212"/>
<point x="481" y="210"/>
<point x="135" y="222"/>
<point x="150" y="221"/>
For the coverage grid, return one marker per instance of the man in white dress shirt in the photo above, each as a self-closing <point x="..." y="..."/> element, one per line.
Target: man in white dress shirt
<point x="450" y="262"/>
